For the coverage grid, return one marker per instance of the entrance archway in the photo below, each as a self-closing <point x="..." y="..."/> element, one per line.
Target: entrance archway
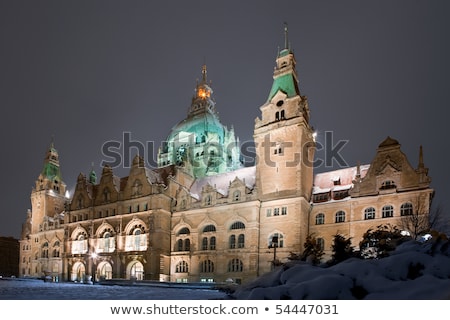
<point x="104" y="270"/>
<point x="135" y="270"/>
<point x="78" y="273"/>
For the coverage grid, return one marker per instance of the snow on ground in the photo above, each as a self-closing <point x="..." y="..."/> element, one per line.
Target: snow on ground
<point x="413" y="271"/>
<point x="40" y="290"/>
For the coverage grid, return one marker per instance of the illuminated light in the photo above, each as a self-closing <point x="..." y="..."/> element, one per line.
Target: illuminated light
<point x="93" y="255"/>
<point x="67" y="195"/>
<point x="314" y="135"/>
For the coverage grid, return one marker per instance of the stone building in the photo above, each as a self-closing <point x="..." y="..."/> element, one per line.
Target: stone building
<point x="201" y="215"/>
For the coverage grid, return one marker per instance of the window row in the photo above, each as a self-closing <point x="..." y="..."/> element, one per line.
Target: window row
<point x="207" y="266"/>
<point x="107" y="213"/>
<point x="209" y="243"/>
<point x="332" y="195"/>
<point x="208" y="199"/>
<point x="237" y="225"/>
<point x="369" y="213"/>
<point x="272" y="212"/>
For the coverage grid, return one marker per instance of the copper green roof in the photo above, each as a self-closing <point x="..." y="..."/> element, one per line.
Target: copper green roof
<point x="287" y="84"/>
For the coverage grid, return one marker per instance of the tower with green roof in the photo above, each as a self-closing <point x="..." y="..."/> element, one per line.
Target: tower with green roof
<point x="48" y="197"/>
<point x="285" y="148"/>
<point x="200" y="144"/>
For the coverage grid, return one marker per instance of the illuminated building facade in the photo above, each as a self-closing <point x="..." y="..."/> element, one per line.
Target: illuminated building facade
<point x="201" y="215"/>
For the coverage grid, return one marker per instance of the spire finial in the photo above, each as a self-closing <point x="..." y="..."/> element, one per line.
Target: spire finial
<point x="204" y="72"/>
<point x="421" y="164"/>
<point x="286" y="40"/>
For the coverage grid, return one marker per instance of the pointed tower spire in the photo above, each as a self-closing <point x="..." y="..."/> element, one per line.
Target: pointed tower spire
<point x="286" y="39"/>
<point x="421" y="164"/>
<point x="358" y="171"/>
<point x="51" y="163"/>
<point x="92" y="175"/>
<point x="285" y="76"/>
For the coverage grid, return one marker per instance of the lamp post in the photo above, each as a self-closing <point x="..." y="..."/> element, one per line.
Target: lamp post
<point x="93" y="256"/>
<point x="274" y="245"/>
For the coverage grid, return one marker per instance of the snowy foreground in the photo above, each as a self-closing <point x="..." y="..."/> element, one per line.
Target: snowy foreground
<point x="413" y="271"/>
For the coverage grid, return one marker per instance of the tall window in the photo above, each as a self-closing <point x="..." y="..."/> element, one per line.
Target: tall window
<point x="232" y="241"/>
<point x="340" y="216"/>
<point x="387" y="211"/>
<point x="276" y="238"/>
<point x="321" y="243"/>
<point x="369" y="213"/>
<point x="212" y="243"/>
<point x="320" y="218"/>
<point x="180" y="245"/>
<point x="205" y="243"/>
<point x="241" y="241"/>
<point x="406" y="209"/>
<point x="182" y="267"/>
<point x="237" y="195"/>
<point x="207" y="266"/>
<point x="45" y="250"/>
<point x="235" y="265"/>
<point x="187" y="244"/>
<point x="208" y="200"/>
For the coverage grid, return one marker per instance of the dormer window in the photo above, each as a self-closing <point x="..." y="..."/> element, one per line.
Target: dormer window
<point x="208" y="200"/>
<point x="388" y="184"/>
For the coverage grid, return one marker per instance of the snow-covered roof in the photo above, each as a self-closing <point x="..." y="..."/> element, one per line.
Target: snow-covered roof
<point x="326" y="181"/>
<point x="221" y="182"/>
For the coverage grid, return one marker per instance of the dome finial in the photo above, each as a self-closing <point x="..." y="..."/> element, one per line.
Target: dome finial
<point x="286" y="40"/>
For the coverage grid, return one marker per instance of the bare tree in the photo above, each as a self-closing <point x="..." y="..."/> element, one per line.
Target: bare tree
<point x="418" y="219"/>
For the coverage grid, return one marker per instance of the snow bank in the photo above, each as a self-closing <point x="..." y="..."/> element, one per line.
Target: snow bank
<point x="413" y="271"/>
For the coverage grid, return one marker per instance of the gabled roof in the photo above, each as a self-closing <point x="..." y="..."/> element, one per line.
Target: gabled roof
<point x="325" y="182"/>
<point x="221" y="182"/>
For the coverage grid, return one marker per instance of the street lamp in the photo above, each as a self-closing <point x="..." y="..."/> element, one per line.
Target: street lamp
<point x="93" y="256"/>
<point x="274" y="245"/>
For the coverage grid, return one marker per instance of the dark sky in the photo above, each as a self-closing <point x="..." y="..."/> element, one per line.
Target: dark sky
<point x="84" y="72"/>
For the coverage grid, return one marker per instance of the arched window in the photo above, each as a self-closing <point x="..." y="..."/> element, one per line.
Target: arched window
<point x="277" y="116"/>
<point x="187" y="244"/>
<point x="241" y="241"/>
<point x="387" y="211"/>
<point x="45" y="250"/>
<point x="320" y="218"/>
<point x="184" y="231"/>
<point x="212" y="243"/>
<point x="209" y="228"/>
<point x="237" y="225"/>
<point x="340" y="216"/>
<point x="180" y="245"/>
<point x="182" y="267"/>
<point x="233" y="241"/>
<point x="277" y="240"/>
<point x="282" y="117"/>
<point x="205" y="243"/>
<point x="406" y="209"/>
<point x="235" y="265"/>
<point x="369" y="213"/>
<point x="207" y="266"/>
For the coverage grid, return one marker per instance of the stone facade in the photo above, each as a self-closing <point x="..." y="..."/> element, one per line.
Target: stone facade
<point x="202" y="216"/>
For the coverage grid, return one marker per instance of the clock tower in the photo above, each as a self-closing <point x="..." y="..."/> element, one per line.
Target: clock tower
<point x="284" y="143"/>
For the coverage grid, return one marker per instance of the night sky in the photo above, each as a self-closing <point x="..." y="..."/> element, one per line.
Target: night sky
<point x="82" y="73"/>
